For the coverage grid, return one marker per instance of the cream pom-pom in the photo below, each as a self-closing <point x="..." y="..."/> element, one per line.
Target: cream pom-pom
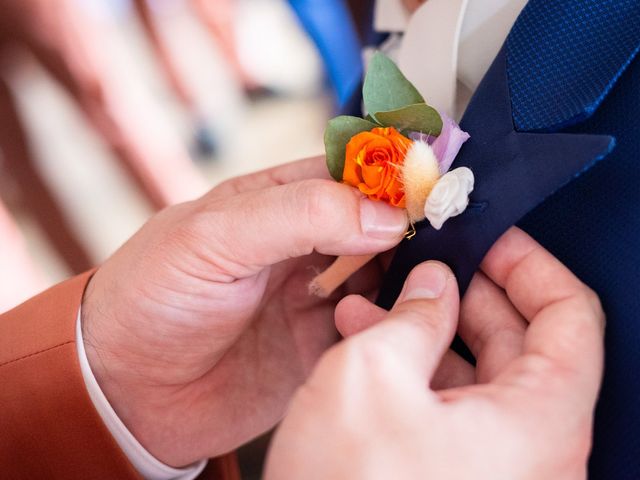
<point x="449" y="197"/>
<point x="420" y="173"/>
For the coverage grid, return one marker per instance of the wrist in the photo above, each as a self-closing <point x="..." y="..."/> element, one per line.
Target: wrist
<point x="109" y="365"/>
<point x="96" y="340"/>
<point x="100" y="350"/>
<point x="148" y="465"/>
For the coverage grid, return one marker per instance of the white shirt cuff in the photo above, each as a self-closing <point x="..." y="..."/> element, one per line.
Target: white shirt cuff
<point x="146" y="464"/>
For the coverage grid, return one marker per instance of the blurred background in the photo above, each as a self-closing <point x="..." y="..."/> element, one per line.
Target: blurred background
<point x="113" y="109"/>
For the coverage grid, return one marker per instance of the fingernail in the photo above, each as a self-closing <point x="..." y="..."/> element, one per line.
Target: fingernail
<point x="382" y="221"/>
<point x="428" y="282"/>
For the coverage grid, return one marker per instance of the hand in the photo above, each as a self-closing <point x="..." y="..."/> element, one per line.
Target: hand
<point x="367" y="410"/>
<point x="200" y="328"/>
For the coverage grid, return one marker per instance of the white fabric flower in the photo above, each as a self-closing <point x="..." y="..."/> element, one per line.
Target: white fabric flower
<point x="449" y="197"/>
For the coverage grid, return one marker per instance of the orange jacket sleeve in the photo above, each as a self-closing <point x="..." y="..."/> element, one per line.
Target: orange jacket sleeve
<point x="48" y="425"/>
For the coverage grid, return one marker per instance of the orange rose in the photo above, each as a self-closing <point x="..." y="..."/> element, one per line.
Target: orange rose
<point x="372" y="164"/>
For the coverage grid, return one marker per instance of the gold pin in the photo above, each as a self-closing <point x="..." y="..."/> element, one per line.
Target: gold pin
<point x="411" y="232"/>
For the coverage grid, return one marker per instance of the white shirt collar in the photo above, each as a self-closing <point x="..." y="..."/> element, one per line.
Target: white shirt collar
<point x="448" y="45"/>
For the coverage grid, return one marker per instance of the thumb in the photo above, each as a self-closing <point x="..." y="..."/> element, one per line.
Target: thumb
<point x="420" y="327"/>
<point x="260" y="228"/>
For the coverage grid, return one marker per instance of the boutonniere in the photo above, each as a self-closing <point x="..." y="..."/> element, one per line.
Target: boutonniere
<point x="400" y="153"/>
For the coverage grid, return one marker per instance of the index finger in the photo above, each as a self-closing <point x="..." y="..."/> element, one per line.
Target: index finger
<point x="305" y="169"/>
<point x="566" y="319"/>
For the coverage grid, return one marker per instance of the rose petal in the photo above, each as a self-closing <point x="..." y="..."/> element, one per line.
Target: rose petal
<point x="449" y="197"/>
<point x="448" y="143"/>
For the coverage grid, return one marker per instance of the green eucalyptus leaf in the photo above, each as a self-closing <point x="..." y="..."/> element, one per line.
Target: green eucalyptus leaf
<point x="369" y="118"/>
<point x="418" y="118"/>
<point x="338" y="133"/>
<point x="386" y="88"/>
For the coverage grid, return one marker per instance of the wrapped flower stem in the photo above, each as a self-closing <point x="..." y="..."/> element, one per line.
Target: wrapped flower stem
<point x="338" y="273"/>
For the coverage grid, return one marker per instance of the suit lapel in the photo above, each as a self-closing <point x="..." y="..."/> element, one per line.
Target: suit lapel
<point x="514" y="173"/>
<point x="516" y="168"/>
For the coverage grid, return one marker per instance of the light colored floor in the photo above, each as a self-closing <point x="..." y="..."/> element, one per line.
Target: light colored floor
<point x="104" y="206"/>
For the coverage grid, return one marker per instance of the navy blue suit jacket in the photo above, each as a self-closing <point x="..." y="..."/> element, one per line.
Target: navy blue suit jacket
<point x="555" y="148"/>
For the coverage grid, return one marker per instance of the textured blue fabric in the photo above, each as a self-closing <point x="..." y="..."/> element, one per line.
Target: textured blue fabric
<point x="593" y="223"/>
<point x="507" y="166"/>
<point x="331" y="27"/>
<point x="593" y="226"/>
<point x="555" y="54"/>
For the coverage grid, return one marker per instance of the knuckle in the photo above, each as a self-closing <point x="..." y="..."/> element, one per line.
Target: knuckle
<point x="198" y="224"/>
<point x="542" y="373"/>
<point x="228" y="187"/>
<point x="173" y="226"/>
<point x="336" y="359"/>
<point x="586" y="305"/>
<point x="234" y="186"/>
<point x="592" y="299"/>
<point x="369" y="359"/>
<point x="350" y="364"/>
<point x="369" y="352"/>
<point x="321" y="200"/>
